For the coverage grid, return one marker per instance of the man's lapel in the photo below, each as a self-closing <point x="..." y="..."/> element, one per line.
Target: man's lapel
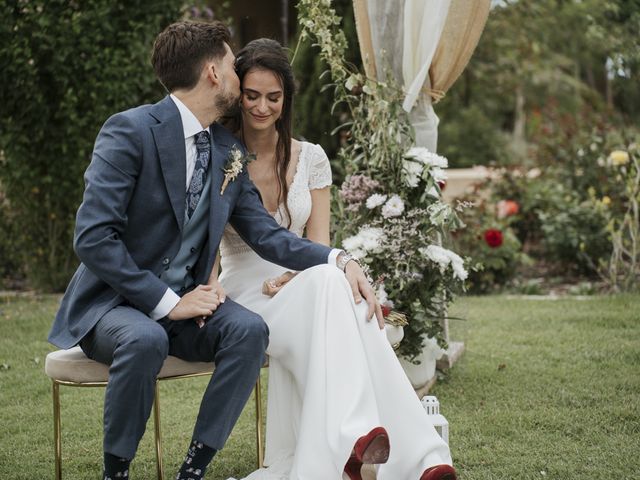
<point x="219" y="204"/>
<point x="169" y="137"/>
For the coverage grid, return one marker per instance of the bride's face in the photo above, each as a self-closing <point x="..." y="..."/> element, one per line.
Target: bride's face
<point x="261" y="100"/>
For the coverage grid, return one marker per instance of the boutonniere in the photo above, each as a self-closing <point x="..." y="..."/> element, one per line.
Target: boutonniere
<point x="235" y="163"/>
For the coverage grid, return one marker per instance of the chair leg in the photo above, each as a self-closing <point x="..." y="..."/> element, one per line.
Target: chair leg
<point x="158" y="431"/>
<point x="258" y="396"/>
<point x="57" y="440"/>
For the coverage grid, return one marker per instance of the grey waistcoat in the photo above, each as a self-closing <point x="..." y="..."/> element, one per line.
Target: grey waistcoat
<point x="178" y="274"/>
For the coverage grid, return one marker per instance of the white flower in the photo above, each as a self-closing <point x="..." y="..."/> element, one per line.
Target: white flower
<point x="426" y="157"/>
<point x="437" y="255"/>
<point x="438" y="174"/>
<point x="352" y="243"/>
<point x="457" y="264"/>
<point x="381" y="294"/>
<point x="444" y="258"/>
<point x="375" y="200"/>
<point x="393" y="208"/>
<point x="412" y="171"/>
<point x="371" y="239"/>
<point x="367" y="240"/>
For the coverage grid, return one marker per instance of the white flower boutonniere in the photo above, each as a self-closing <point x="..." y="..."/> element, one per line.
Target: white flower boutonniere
<point x="235" y="163"/>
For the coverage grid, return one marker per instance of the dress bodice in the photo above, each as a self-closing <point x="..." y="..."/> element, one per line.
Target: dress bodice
<point x="312" y="172"/>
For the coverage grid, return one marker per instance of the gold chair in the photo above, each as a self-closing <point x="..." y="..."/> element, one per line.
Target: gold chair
<point x="73" y="368"/>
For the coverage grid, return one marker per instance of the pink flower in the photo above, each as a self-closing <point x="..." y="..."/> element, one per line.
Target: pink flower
<point x="506" y="208"/>
<point x="357" y="188"/>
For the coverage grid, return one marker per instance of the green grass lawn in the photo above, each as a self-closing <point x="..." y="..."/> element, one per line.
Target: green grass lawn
<point x="545" y="390"/>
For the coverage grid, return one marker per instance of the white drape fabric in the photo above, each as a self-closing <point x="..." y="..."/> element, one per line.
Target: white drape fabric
<point x="423" y="44"/>
<point x="404" y="37"/>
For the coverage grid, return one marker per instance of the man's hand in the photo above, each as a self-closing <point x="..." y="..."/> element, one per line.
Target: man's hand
<point x="198" y="303"/>
<point x="361" y="288"/>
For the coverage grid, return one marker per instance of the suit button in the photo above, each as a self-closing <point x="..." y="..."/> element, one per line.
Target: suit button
<point x="193" y="249"/>
<point x="165" y="261"/>
<point x="188" y="267"/>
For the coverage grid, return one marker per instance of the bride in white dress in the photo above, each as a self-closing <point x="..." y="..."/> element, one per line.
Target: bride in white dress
<point x="332" y="374"/>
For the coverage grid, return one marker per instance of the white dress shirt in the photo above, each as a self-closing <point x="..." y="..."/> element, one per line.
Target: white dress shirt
<point x="191" y="126"/>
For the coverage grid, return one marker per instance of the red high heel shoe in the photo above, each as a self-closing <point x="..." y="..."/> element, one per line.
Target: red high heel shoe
<point x="371" y="448"/>
<point x="439" y="472"/>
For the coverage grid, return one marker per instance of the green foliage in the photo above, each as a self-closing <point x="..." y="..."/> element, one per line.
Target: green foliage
<point x="535" y="53"/>
<point x="470" y="138"/>
<point x="65" y="66"/>
<point x="316" y="117"/>
<point x="622" y="269"/>
<point x="574" y="234"/>
<point x="10" y="268"/>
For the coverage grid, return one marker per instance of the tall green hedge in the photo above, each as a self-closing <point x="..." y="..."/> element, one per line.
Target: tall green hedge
<point x="65" y="66"/>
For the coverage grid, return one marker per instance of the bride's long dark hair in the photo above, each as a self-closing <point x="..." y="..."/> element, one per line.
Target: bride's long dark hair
<point x="267" y="54"/>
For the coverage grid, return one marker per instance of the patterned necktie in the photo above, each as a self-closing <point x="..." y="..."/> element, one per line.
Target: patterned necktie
<point x="194" y="192"/>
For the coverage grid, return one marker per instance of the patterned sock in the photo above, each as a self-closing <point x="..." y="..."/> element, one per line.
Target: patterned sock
<point x="115" y="467"/>
<point x="195" y="464"/>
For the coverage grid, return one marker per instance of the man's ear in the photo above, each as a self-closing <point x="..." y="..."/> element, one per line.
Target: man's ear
<point x="211" y="71"/>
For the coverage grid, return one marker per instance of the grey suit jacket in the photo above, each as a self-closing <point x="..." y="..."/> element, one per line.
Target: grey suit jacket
<point x="132" y="213"/>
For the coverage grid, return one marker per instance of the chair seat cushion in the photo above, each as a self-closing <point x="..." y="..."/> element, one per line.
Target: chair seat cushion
<point x="74" y="366"/>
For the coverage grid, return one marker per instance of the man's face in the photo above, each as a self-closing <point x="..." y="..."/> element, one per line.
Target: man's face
<point x="229" y="82"/>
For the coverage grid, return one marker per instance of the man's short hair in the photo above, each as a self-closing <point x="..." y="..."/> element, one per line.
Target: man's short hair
<point x="181" y="49"/>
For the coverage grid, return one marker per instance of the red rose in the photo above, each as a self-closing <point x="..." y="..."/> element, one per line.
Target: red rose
<point x="386" y="310"/>
<point x="493" y="237"/>
<point x="442" y="184"/>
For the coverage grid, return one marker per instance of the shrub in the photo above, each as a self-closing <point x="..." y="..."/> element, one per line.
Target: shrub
<point x="64" y="68"/>
<point x="491" y="242"/>
<point x="470" y="138"/>
<point x="622" y="269"/>
<point x="574" y="234"/>
<point x="10" y="269"/>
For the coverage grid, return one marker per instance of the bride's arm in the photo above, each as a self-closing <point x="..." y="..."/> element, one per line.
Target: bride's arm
<point x="320" y="218"/>
<point x="213" y="279"/>
<point x="317" y="230"/>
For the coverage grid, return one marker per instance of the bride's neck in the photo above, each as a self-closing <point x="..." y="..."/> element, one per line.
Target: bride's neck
<point x="261" y="142"/>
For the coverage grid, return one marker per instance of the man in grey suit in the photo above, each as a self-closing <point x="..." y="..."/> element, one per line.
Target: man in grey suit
<point x="155" y="205"/>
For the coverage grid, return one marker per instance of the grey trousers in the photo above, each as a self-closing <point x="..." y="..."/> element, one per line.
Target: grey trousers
<point x="135" y="347"/>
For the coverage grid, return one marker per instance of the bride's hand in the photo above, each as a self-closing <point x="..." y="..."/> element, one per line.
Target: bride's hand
<point x="273" y="285"/>
<point x="217" y="288"/>
<point x="361" y="288"/>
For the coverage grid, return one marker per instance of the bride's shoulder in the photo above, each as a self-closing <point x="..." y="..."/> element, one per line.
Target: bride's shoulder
<point x="317" y="164"/>
<point x="311" y="153"/>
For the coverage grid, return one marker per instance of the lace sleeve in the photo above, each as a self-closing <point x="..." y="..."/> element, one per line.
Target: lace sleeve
<point x="319" y="168"/>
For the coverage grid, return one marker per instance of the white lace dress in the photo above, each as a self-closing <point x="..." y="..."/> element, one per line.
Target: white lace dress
<point x="332" y="374"/>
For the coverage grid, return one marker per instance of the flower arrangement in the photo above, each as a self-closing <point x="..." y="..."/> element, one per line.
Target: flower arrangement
<point x="390" y="211"/>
